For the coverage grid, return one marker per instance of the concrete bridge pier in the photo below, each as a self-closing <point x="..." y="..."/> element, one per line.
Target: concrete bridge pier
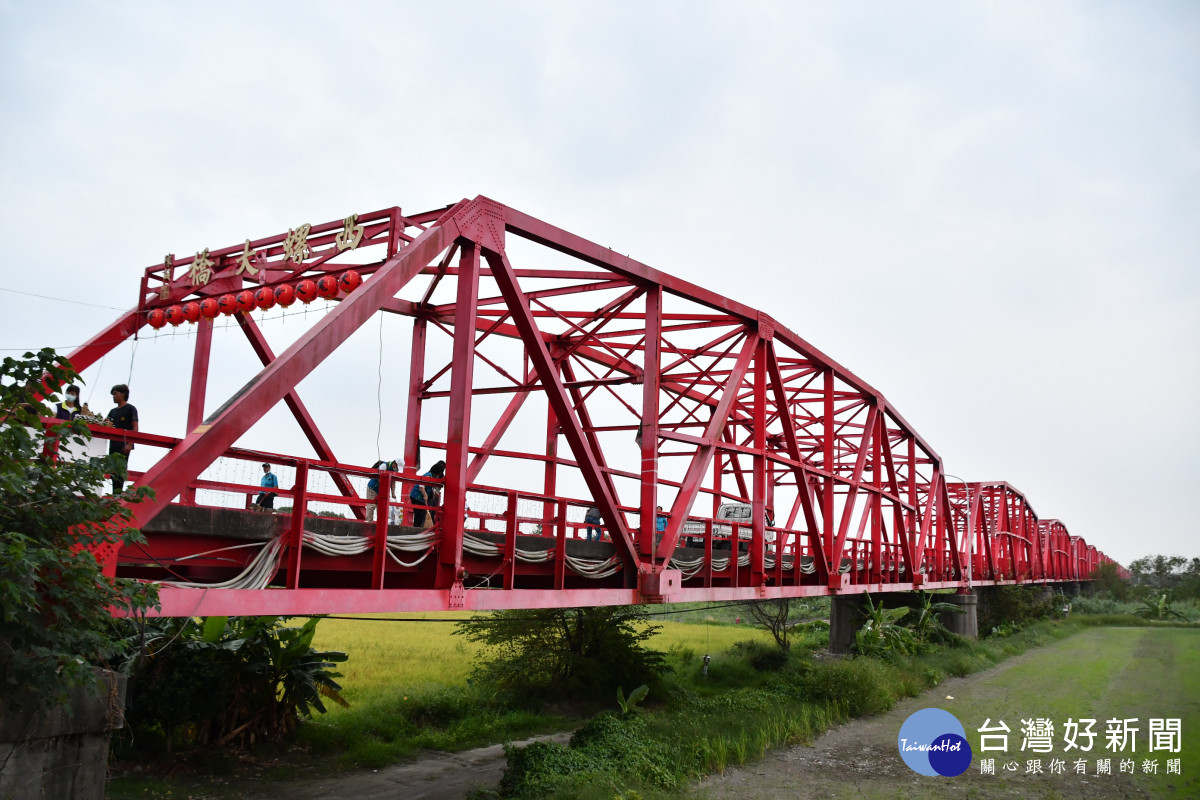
<point x="846" y="615"/>
<point x="845" y="618"/>
<point x="965" y="623"/>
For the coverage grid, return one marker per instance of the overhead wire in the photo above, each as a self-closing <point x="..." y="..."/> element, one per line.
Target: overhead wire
<point x="59" y="299"/>
<point x="379" y="396"/>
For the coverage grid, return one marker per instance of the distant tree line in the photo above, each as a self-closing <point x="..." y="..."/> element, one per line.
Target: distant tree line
<point x="1175" y="576"/>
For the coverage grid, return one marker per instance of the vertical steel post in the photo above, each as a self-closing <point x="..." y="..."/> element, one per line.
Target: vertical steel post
<point x="827" y="522"/>
<point x="758" y="505"/>
<point x="416" y="385"/>
<point x="550" y="466"/>
<point x="200" y="358"/>
<point x="510" y="540"/>
<point x="295" y="541"/>
<point x="876" y="509"/>
<point x="649" y="493"/>
<point x="379" y="555"/>
<point x="560" y="545"/>
<point x="459" y="418"/>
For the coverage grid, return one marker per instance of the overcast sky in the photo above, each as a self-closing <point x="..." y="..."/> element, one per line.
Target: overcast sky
<point x="988" y="211"/>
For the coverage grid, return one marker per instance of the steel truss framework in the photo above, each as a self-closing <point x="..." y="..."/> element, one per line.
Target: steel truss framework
<point x="663" y="393"/>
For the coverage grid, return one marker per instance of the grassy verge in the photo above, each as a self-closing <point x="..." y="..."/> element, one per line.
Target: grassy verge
<point x="709" y="726"/>
<point x="409" y="689"/>
<point x="408" y="683"/>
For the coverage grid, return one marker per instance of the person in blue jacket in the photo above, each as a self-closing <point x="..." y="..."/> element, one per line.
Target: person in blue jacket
<point x="373" y="485"/>
<point x="427" y="495"/>
<point x="266" y="499"/>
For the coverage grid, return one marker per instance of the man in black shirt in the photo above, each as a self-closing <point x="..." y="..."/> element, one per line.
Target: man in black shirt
<point x="124" y="418"/>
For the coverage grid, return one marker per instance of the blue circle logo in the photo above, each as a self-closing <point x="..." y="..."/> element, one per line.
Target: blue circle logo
<point x="933" y="742"/>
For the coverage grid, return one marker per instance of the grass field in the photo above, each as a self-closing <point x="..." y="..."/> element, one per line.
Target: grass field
<point x="414" y="658"/>
<point x="1103" y="673"/>
<point x="408" y="683"/>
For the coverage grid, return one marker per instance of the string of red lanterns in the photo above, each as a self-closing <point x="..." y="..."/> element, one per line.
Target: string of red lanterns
<point x="284" y="295"/>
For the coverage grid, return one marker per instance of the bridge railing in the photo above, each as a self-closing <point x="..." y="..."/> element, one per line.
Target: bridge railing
<point x="726" y="545"/>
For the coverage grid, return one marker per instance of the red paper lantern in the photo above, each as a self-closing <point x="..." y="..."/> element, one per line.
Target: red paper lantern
<point x="285" y="295"/>
<point x="264" y="298"/>
<point x="350" y="281"/>
<point x="327" y="287"/>
<point x="306" y="291"/>
<point x="157" y="318"/>
<point x="209" y="308"/>
<point x="227" y="304"/>
<point x="191" y="311"/>
<point x="174" y="315"/>
<point x="245" y="301"/>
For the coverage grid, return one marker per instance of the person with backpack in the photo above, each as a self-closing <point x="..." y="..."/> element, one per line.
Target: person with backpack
<point x="427" y="496"/>
<point x="373" y="485"/>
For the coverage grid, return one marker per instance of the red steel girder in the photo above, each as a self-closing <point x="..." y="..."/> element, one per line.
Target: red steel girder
<point x="774" y="407"/>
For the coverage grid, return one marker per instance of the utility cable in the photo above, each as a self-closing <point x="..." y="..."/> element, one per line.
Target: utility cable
<point x="60" y="299"/>
<point x="379" y="395"/>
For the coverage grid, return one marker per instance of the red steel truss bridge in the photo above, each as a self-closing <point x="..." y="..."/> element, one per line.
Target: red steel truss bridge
<point x="553" y="376"/>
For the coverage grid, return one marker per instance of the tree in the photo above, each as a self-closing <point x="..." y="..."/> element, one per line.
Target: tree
<point x="579" y="653"/>
<point x="55" y="623"/>
<point x="1177" y="576"/>
<point x="1108" y="580"/>
<point x="773" y="616"/>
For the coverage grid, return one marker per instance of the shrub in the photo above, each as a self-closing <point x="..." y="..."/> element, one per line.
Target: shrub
<point x="856" y="686"/>
<point x="763" y="657"/>
<point x="576" y="653"/>
<point x="243" y="679"/>
<point x="1016" y="606"/>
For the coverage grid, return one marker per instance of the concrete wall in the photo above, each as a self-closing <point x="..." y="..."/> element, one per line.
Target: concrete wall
<point x="64" y="753"/>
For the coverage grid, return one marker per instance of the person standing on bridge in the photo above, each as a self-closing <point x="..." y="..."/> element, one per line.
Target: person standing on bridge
<point x="427" y="496"/>
<point x="124" y="418"/>
<point x="266" y="500"/>
<point x="69" y="408"/>
<point x="592" y="519"/>
<point x="373" y="486"/>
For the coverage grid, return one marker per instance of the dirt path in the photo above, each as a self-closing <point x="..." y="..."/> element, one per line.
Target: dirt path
<point x="438" y="776"/>
<point x="859" y="759"/>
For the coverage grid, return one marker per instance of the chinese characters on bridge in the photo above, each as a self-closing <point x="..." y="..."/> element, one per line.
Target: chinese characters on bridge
<point x="295" y="249"/>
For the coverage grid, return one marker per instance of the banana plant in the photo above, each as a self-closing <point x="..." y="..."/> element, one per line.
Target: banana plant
<point x="629" y="704"/>
<point x="927" y="625"/>
<point x="1159" y="609"/>
<point x="881" y="635"/>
